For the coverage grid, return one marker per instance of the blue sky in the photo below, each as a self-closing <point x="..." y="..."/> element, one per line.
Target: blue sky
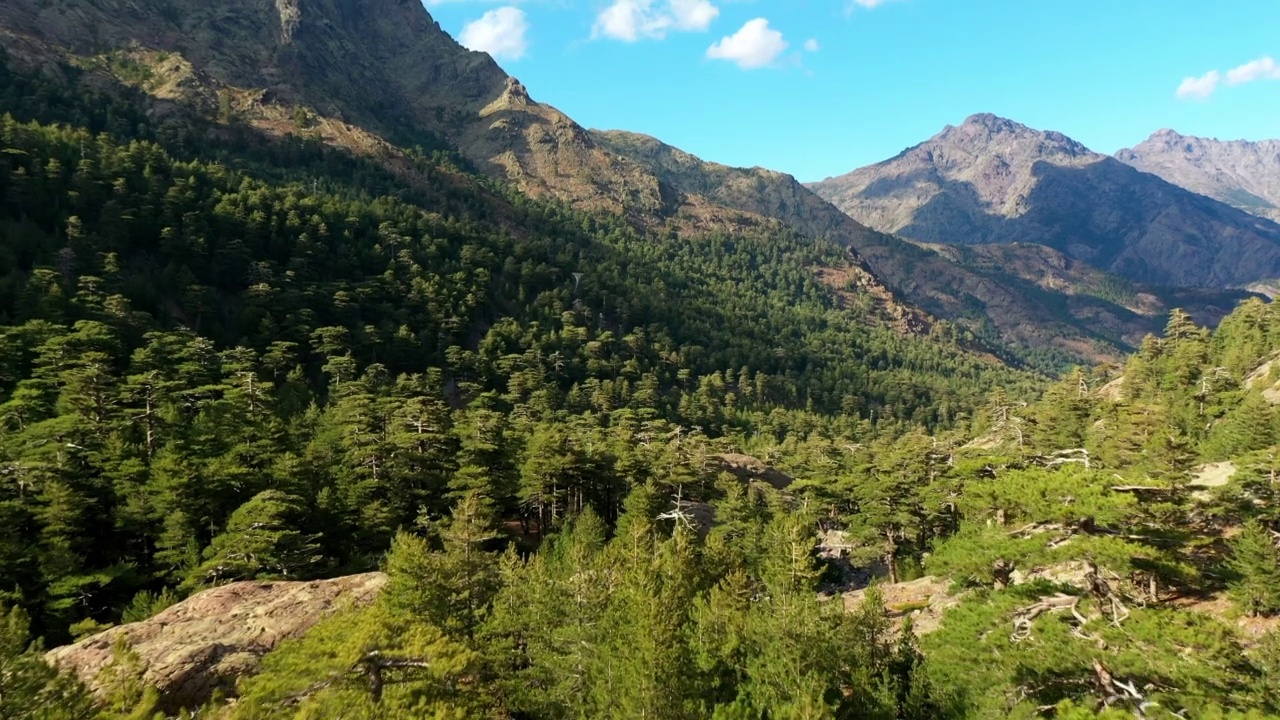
<point x="819" y="87"/>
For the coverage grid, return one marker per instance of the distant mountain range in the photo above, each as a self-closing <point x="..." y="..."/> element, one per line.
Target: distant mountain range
<point x="992" y="180"/>
<point x="1243" y="174"/>
<point x="380" y="77"/>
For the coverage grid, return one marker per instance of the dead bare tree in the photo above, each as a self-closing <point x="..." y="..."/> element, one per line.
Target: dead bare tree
<point x="1023" y="617"/>
<point x="372" y="667"/>
<point x="1101" y="592"/>
<point x="1063" y="457"/>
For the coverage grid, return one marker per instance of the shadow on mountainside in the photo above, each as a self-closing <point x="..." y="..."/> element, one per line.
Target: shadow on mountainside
<point x="1140" y="228"/>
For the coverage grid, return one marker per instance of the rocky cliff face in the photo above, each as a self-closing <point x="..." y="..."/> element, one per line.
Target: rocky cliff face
<point x="991" y="180"/>
<point x="1245" y="175"/>
<point x="206" y="642"/>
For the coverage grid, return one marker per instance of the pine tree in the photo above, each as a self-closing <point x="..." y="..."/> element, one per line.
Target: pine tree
<point x="888" y="516"/>
<point x="423" y="452"/>
<point x="1062" y="416"/>
<point x="30" y="689"/>
<point x="262" y="540"/>
<point x="484" y="459"/>
<point x="1256" y="562"/>
<point x="1249" y="427"/>
<point x="452" y="586"/>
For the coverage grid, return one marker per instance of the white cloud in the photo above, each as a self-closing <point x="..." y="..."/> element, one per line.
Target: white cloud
<point x="502" y="33"/>
<point x="1200" y="88"/>
<point x="852" y="5"/>
<point x="623" y="20"/>
<point x="1264" y="68"/>
<point x="811" y="45"/>
<point x="632" y="20"/>
<point x="434" y="3"/>
<point x="693" y="14"/>
<point x="755" y="45"/>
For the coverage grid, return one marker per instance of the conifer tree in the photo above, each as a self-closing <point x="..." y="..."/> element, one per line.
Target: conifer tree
<point x="451" y="586"/>
<point x="262" y="540"/>
<point x="888" y="517"/>
<point x="30" y="688"/>
<point x="1256" y="562"/>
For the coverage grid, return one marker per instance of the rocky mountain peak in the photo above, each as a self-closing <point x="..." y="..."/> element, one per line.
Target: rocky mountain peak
<point x="987" y="134"/>
<point x="993" y="123"/>
<point x="1243" y="174"/>
<point x="1166" y="140"/>
<point x="992" y="180"/>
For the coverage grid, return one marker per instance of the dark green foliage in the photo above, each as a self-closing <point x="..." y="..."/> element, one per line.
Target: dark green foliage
<point x="234" y="357"/>
<point x="637" y="626"/>
<point x="1256" y="562"/>
<point x="261" y="541"/>
<point x="29" y="687"/>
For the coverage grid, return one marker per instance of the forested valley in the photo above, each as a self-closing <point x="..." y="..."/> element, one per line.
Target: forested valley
<point x="225" y="357"/>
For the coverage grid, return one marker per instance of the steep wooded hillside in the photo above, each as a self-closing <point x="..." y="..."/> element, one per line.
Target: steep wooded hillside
<point x="379" y="78"/>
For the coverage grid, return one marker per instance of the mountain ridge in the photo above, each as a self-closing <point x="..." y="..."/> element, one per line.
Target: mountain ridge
<point x="992" y="180"/>
<point x="1242" y="173"/>
<point x="377" y="75"/>
<point x="1015" y="308"/>
<point x="385" y="65"/>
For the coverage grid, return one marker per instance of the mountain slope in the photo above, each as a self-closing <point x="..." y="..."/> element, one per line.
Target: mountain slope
<point x="374" y="76"/>
<point x="1095" y="301"/>
<point x="377" y="76"/>
<point x="1029" y="296"/>
<point x="1243" y="174"/>
<point x="991" y="180"/>
<point x="382" y="65"/>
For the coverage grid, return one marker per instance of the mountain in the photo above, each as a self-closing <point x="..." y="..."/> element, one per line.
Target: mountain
<point x="992" y="180"/>
<point x="617" y="456"/>
<point x="377" y="65"/>
<point x="1026" y="295"/>
<point x="1093" y="303"/>
<point x="1243" y="174"/>
<point x="376" y="77"/>
<point x="372" y="76"/>
<point x="221" y="347"/>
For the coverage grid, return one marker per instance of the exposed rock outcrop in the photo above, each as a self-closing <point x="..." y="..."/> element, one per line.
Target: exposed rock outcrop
<point x="747" y="468"/>
<point x="924" y="600"/>
<point x="204" y="643"/>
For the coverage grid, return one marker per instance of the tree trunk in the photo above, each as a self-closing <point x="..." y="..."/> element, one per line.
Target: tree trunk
<point x="1002" y="571"/>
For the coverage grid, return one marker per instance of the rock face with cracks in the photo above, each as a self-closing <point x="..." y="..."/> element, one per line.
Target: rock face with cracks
<point x="206" y="642"/>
